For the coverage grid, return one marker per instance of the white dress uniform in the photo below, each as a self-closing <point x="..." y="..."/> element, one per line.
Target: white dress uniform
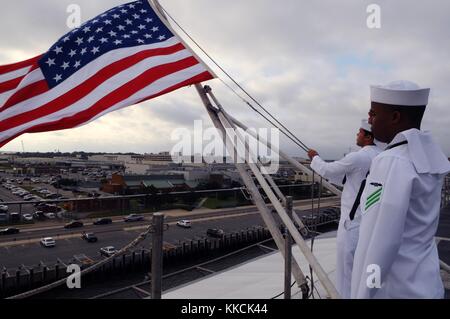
<point x="397" y="256"/>
<point x="354" y="167"/>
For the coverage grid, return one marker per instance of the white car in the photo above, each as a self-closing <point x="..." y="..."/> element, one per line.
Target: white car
<point x="50" y="215"/>
<point x="27" y="217"/>
<point x="48" y="242"/>
<point x="108" y="251"/>
<point x="184" y="223"/>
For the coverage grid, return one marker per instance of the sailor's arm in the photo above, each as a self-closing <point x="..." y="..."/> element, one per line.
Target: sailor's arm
<point x="384" y="207"/>
<point x="335" y="171"/>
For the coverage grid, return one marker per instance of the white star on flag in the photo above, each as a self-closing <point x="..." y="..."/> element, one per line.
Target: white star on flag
<point x="58" y="50"/>
<point x="50" y="62"/>
<point x="58" y="77"/>
<point x="72" y="53"/>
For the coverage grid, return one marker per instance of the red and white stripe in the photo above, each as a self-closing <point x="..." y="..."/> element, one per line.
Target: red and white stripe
<point x="115" y="80"/>
<point x="11" y="76"/>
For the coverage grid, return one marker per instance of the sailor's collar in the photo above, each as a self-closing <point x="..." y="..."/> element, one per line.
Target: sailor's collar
<point x="425" y="154"/>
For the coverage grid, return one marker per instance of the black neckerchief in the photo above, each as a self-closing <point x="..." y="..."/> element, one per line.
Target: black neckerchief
<point x="396" y="144"/>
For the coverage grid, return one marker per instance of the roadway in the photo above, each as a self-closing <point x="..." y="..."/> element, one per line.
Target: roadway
<point x="24" y="248"/>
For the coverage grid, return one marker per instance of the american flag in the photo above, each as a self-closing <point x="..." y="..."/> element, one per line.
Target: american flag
<point x="120" y="58"/>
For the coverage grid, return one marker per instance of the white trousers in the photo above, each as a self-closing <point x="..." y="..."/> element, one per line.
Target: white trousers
<point x="346" y="241"/>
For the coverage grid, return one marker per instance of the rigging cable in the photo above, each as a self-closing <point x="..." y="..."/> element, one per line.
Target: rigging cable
<point x="301" y="145"/>
<point x="293" y="138"/>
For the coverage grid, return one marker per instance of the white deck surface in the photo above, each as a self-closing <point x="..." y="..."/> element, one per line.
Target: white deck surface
<point x="261" y="278"/>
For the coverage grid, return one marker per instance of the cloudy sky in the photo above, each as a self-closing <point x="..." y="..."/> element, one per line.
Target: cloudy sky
<point x="309" y="62"/>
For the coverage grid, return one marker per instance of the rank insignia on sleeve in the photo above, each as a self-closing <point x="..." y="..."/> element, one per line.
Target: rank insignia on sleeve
<point x="374" y="197"/>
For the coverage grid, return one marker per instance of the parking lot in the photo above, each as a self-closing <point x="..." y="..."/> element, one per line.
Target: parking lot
<point x="15" y="189"/>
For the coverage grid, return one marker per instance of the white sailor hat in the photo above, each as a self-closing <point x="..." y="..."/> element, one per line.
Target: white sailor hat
<point x="404" y="93"/>
<point x="366" y="126"/>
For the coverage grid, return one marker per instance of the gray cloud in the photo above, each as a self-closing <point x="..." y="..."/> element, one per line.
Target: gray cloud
<point x="310" y="62"/>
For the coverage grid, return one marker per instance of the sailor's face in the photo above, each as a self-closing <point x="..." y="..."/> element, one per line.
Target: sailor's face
<point x="379" y="118"/>
<point x="360" y="137"/>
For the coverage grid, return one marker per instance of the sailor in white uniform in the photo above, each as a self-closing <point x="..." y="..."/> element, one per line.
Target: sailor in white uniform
<point x="396" y="255"/>
<point x="350" y="171"/>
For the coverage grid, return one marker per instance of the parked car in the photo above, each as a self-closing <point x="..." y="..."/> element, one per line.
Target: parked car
<point x="14" y="217"/>
<point x="51" y="196"/>
<point x="50" y="215"/>
<point x="93" y="194"/>
<point x="48" y="242"/>
<point x="108" y="251"/>
<point x="39" y="215"/>
<point x="103" y="221"/>
<point x="133" y="218"/>
<point x="89" y="237"/>
<point x="184" y="223"/>
<point x="27" y="217"/>
<point x="309" y="221"/>
<point x="215" y="232"/>
<point x="332" y="213"/>
<point x="50" y="208"/>
<point x="9" y="231"/>
<point x="74" y="224"/>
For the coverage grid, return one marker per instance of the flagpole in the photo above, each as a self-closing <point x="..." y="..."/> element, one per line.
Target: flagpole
<point x="158" y="9"/>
